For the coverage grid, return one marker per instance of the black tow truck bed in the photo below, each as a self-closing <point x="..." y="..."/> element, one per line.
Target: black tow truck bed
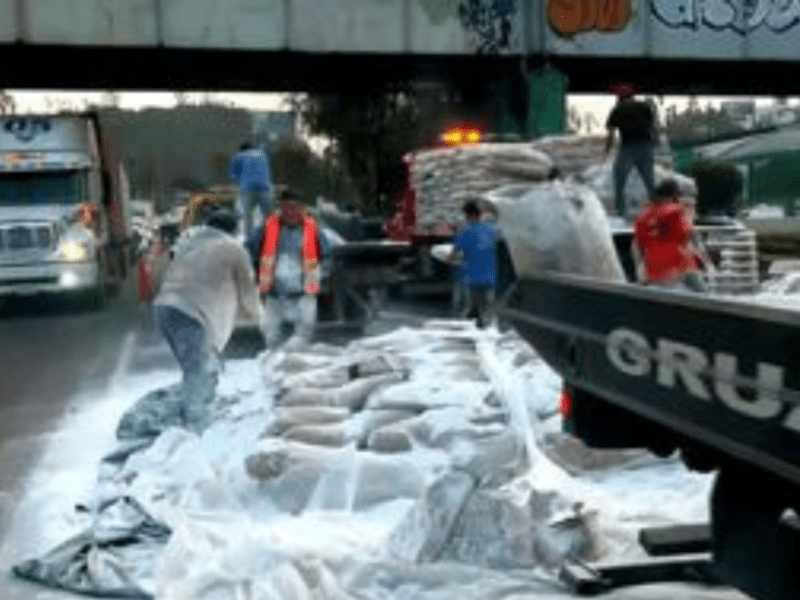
<point x="723" y="373"/>
<point x="717" y="379"/>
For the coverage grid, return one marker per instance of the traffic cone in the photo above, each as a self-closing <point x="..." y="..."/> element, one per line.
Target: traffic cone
<point x="145" y="280"/>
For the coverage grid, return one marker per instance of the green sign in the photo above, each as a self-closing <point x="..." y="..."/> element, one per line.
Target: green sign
<point x="547" y="91"/>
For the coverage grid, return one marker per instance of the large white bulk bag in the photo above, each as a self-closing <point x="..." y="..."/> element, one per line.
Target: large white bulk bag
<point x="556" y="226"/>
<point x="600" y="178"/>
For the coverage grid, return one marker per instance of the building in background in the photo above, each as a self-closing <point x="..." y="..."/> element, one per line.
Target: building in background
<point x="270" y="127"/>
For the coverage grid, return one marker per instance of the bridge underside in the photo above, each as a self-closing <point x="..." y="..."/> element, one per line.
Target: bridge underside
<point x="76" y="67"/>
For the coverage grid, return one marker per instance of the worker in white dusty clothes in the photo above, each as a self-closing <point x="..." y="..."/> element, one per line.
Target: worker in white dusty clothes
<point x="290" y="272"/>
<point x="209" y="280"/>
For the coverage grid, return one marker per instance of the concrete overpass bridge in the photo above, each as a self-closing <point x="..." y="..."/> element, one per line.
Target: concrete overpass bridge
<point x="668" y="46"/>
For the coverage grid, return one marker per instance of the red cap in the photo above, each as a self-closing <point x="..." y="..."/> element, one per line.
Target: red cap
<point x="623" y="90"/>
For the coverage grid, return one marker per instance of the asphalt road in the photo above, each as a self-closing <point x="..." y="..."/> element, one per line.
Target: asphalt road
<point x="61" y="360"/>
<point x="50" y="350"/>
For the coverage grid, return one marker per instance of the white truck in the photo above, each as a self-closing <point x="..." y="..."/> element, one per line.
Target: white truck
<point x="63" y="207"/>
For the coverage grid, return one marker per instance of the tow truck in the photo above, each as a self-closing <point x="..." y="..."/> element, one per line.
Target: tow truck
<point x="715" y="379"/>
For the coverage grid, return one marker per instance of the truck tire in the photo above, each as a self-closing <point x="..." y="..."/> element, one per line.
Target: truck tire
<point x="752" y="549"/>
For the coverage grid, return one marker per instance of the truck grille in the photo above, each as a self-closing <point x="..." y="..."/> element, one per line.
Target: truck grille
<point x="26" y="237"/>
<point x="29" y="281"/>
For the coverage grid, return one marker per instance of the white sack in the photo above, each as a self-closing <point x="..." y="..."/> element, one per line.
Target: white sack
<point x="351" y="395"/>
<point x="494" y="530"/>
<point x="441" y="252"/>
<point x="343" y="371"/>
<point x="335" y="435"/>
<point x="557" y="226"/>
<point x="378" y="478"/>
<point x="389" y="440"/>
<point x="285" y="417"/>
<point x="424" y="532"/>
<point x="600" y="178"/>
<point x="174" y="478"/>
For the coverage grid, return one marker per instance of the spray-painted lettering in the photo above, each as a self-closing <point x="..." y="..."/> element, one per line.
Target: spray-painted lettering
<point x="568" y="17"/>
<point x="708" y="377"/>
<point x="491" y="23"/>
<point x="742" y="17"/>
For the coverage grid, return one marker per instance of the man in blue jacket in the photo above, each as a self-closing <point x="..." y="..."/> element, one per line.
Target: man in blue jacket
<point x="250" y="167"/>
<point x="477" y="247"/>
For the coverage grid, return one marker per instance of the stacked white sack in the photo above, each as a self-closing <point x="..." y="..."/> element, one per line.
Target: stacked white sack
<point x="572" y="154"/>
<point x="418" y="416"/>
<point x="444" y="179"/>
<point x="600" y="177"/>
<point x="557" y="226"/>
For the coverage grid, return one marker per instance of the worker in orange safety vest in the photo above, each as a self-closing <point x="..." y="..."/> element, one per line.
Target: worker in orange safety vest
<point x="289" y="272"/>
<point x="87" y="215"/>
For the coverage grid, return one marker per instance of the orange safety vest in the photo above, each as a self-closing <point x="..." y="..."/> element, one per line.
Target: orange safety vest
<point x="86" y="214"/>
<point x="269" y="251"/>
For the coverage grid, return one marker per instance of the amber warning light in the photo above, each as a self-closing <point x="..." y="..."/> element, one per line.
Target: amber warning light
<point x="461" y="135"/>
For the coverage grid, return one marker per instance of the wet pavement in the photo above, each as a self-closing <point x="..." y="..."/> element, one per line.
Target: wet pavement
<point x="68" y="370"/>
<point x="53" y="350"/>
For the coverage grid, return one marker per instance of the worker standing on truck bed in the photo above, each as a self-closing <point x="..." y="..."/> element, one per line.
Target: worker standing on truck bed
<point x="208" y="281"/>
<point x="250" y="167"/>
<point x="477" y="247"/>
<point x="289" y="271"/>
<point x="636" y="122"/>
<point x="663" y="242"/>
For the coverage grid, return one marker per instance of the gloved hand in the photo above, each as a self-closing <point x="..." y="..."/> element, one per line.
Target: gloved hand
<point x="262" y="317"/>
<point x="270" y="322"/>
<point x="307" y="309"/>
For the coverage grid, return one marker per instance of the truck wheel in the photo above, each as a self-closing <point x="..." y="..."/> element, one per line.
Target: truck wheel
<point x="752" y="549"/>
<point x="699" y="459"/>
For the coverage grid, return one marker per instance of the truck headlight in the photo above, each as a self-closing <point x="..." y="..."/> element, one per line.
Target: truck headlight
<point x="73" y="250"/>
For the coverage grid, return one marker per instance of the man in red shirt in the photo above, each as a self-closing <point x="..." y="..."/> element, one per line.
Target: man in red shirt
<point x="662" y="236"/>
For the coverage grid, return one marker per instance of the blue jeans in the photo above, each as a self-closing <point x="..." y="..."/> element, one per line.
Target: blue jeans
<point x="480" y="297"/>
<point x="640" y="155"/>
<point x="188" y="340"/>
<point x="249" y="199"/>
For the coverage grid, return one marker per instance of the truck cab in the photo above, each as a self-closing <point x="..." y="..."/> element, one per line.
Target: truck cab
<point x="61" y="207"/>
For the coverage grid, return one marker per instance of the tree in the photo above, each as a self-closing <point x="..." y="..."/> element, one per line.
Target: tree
<point x="296" y="166"/>
<point x="370" y="133"/>
<point x="7" y="104"/>
<point x="694" y="124"/>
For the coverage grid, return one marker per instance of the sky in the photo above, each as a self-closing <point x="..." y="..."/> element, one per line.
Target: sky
<point x="42" y="101"/>
<point x="37" y="100"/>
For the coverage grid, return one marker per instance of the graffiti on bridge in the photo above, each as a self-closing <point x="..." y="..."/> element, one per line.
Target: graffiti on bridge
<point x="742" y="16"/>
<point x="568" y="17"/>
<point x="491" y="23"/>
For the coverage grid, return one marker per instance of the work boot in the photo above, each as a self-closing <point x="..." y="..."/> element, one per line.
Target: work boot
<point x="198" y="396"/>
<point x="196" y="417"/>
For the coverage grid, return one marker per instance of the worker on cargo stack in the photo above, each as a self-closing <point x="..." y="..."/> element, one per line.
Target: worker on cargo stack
<point x="208" y="282"/>
<point x="663" y="248"/>
<point x="637" y="124"/>
<point x="476" y="247"/>
<point x="250" y="168"/>
<point x="289" y="272"/>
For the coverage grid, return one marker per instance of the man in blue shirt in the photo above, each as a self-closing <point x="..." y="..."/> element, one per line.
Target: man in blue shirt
<point x="477" y="246"/>
<point x="250" y="167"/>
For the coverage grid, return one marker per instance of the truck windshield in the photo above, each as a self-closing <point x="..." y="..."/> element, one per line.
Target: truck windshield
<point x="40" y="188"/>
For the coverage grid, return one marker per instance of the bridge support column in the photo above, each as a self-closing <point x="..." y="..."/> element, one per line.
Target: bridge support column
<point x="531" y="104"/>
<point x="547" y="102"/>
